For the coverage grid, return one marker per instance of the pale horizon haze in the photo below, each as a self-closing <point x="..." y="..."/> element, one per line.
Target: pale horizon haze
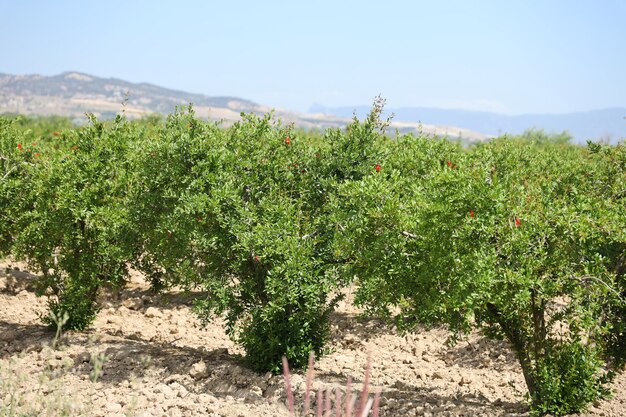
<point x="510" y="57"/>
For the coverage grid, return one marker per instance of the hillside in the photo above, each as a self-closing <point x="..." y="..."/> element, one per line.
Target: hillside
<point x="73" y="93"/>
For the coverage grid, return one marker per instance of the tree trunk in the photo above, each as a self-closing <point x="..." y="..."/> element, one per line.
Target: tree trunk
<point x="521" y="348"/>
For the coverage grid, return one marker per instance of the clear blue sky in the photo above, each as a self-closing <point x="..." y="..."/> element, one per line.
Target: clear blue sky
<point x="508" y="56"/>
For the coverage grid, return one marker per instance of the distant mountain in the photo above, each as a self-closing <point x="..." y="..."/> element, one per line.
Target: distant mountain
<point x="608" y="124"/>
<point x="74" y="93"/>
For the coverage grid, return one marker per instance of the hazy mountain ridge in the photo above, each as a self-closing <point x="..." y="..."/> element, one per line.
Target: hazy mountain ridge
<point x="74" y="93"/>
<point x="29" y="92"/>
<point x="606" y="124"/>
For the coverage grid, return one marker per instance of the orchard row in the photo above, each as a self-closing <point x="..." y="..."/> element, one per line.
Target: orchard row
<point x="523" y="239"/>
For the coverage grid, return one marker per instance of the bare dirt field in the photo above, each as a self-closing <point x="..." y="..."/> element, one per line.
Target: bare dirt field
<point x="147" y="355"/>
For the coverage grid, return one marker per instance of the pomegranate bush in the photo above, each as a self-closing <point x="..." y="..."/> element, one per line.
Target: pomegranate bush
<point x="514" y="238"/>
<point x="13" y="165"/>
<point x="71" y="221"/>
<point x="245" y="215"/>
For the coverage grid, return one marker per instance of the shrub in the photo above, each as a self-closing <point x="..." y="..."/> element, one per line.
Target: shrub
<point x="246" y="214"/>
<point x="610" y="186"/>
<point x="14" y="161"/>
<point x="506" y="238"/>
<point x="71" y="220"/>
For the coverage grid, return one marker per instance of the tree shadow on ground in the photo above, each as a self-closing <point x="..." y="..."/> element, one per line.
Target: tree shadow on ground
<point x="408" y="398"/>
<point x="225" y="374"/>
<point x="352" y="326"/>
<point x="23" y="337"/>
<point x="17" y="280"/>
<point x="142" y="298"/>
<point x="478" y="354"/>
<point x="130" y="358"/>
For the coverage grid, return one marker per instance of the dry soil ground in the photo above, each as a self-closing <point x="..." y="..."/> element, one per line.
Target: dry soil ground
<point x="156" y="360"/>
